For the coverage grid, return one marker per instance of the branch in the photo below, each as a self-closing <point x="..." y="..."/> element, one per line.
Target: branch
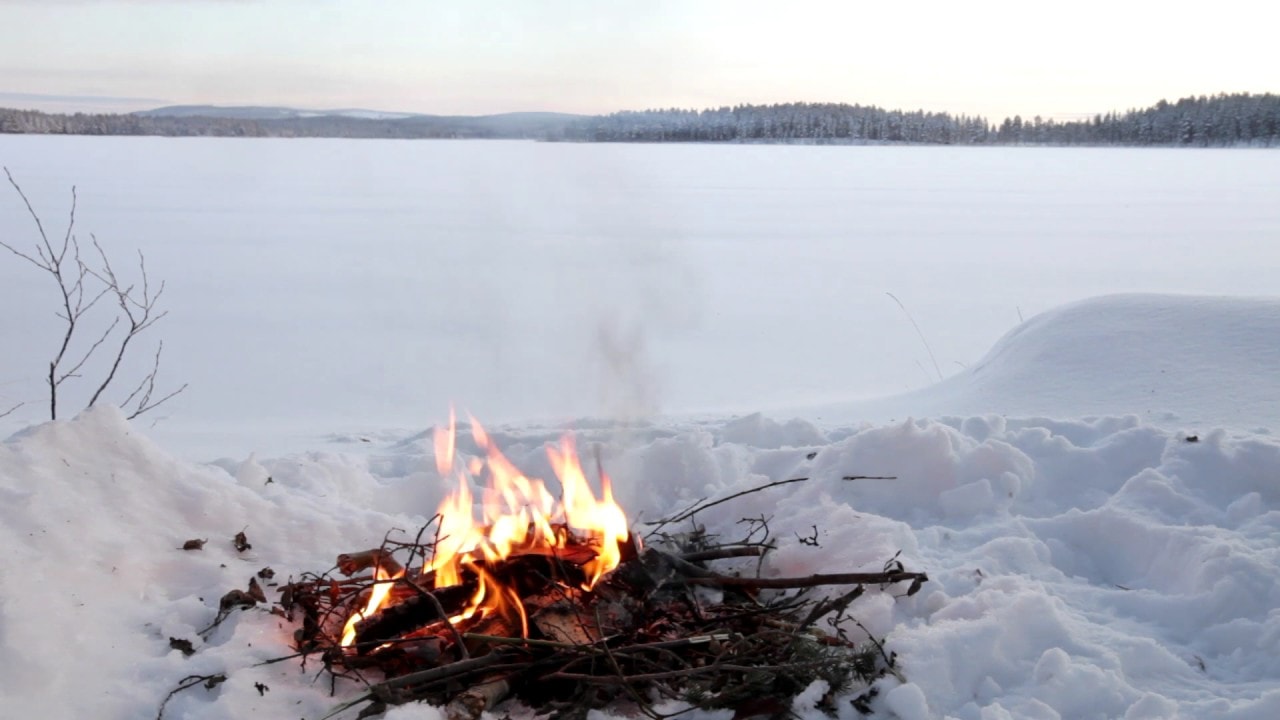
<point x="136" y="306"/>
<point x="139" y="313"/>
<point x="868" y="578"/>
<point x="209" y="681"/>
<point x="147" y="387"/>
<point x="45" y="262"/>
<point x="703" y="505"/>
<point x="386" y="690"/>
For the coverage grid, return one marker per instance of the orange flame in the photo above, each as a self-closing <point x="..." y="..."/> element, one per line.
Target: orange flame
<point x="518" y="516"/>
<point x="377" y="599"/>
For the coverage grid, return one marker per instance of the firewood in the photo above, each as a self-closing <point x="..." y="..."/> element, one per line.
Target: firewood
<point x="573" y="554"/>
<point x="647" y="630"/>
<point x="410" y="614"/>
<point x="567" y="624"/>
<point x="470" y="704"/>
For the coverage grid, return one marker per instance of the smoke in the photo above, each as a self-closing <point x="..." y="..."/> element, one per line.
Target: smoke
<point x="629" y="381"/>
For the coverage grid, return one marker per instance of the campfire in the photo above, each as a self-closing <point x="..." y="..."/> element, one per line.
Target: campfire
<point x="553" y="598"/>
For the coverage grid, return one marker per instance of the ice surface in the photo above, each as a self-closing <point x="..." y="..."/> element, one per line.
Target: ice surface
<point x="1095" y="497"/>
<point x="331" y="286"/>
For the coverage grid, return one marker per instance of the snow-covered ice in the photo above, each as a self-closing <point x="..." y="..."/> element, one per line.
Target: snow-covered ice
<point x="1096" y="499"/>
<point x="337" y="286"/>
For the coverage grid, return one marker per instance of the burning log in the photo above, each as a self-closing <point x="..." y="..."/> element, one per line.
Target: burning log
<point x="411" y="614"/>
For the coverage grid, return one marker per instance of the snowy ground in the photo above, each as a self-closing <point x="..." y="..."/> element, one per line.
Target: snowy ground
<point x="1087" y="568"/>
<point x="1087" y="558"/>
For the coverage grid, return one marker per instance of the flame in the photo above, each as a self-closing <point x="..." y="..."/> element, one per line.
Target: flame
<point x="444" y="440"/>
<point x="518" y="516"/>
<point x="377" y="598"/>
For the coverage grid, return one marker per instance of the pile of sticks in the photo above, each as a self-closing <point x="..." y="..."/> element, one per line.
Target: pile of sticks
<point x="665" y="624"/>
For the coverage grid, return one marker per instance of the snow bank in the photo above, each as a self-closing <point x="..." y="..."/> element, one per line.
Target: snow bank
<point x="1173" y="360"/>
<point x="1078" y="569"/>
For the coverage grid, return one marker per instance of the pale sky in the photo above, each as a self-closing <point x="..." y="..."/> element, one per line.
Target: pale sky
<point x="989" y="57"/>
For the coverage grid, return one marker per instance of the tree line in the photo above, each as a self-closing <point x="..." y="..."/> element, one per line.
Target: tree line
<point x="1217" y="121"/>
<point x="1224" y="120"/>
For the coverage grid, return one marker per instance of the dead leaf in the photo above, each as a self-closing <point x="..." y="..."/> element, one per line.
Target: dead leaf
<point x="183" y="646"/>
<point x="194" y="544"/>
<point x="236" y="598"/>
<point x="241" y="542"/>
<point x="255" y="591"/>
<point x="266" y="573"/>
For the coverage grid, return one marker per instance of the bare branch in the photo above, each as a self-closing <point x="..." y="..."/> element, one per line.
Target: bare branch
<point x="12" y="409"/>
<point x="138" y="312"/>
<point x="44" y="263"/>
<point x="70" y="270"/>
<point x="72" y="372"/>
<point x="147" y="387"/>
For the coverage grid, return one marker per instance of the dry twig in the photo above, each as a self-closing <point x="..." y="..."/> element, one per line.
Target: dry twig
<point x="74" y="276"/>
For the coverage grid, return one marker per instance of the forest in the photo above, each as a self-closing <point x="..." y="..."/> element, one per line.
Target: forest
<point x="1218" y="121"/>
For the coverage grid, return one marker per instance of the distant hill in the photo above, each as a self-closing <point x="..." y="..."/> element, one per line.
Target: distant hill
<point x="518" y="124"/>
<point x="271" y="121"/>
<point x="258" y="112"/>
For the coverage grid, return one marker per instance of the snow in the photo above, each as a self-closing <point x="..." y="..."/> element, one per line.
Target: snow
<point x="1051" y="365"/>
<point x="322" y="287"/>
<point x="1080" y="568"/>
<point x="1096" y="499"/>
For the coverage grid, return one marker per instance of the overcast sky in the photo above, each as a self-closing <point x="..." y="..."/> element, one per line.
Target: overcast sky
<point x="989" y="57"/>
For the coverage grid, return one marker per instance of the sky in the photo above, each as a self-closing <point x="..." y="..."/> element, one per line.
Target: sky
<point x="994" y="58"/>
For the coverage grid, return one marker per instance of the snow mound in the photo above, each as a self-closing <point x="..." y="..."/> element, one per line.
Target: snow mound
<point x="1171" y="359"/>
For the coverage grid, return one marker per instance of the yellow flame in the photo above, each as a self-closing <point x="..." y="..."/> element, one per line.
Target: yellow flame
<point x="518" y="515"/>
<point x="444" y="442"/>
<point x="377" y="598"/>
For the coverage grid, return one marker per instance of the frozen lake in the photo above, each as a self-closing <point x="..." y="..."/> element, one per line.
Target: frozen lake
<point x="321" y="285"/>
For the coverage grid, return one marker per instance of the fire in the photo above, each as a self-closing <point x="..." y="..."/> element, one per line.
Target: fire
<point x="377" y="599"/>
<point x="519" y="516"/>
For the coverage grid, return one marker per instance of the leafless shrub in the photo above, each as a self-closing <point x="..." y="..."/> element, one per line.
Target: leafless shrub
<point x="81" y="285"/>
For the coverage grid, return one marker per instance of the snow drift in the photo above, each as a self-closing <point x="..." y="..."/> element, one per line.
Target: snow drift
<point x="1171" y="359"/>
